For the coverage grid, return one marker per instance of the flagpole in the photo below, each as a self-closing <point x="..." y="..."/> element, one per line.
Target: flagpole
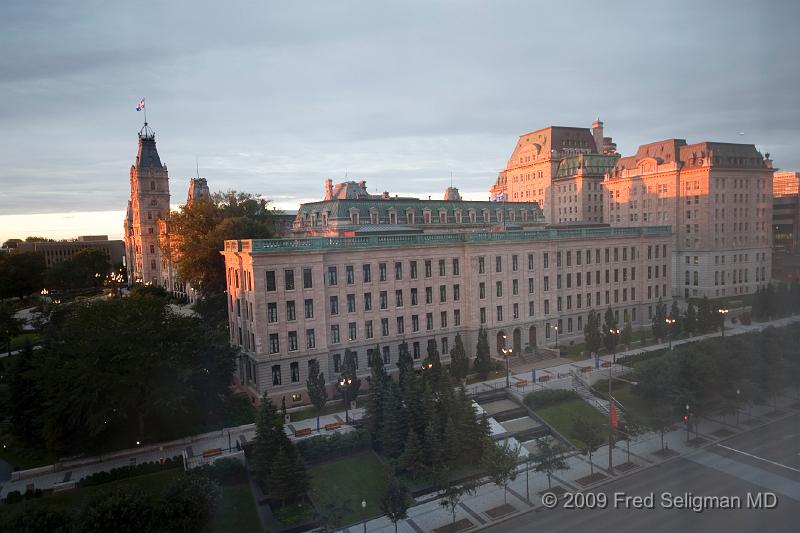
<point x="144" y="108"/>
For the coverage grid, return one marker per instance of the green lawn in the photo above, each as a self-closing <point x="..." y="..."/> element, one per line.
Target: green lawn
<point x="150" y="485"/>
<point x="18" y="342"/>
<point x="561" y="415"/>
<point x="236" y="510"/>
<point x="631" y="402"/>
<point x="347" y="482"/>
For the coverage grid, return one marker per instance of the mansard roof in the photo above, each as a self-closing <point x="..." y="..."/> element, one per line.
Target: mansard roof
<point x="147" y="156"/>
<point x="591" y="164"/>
<point x="342" y="208"/>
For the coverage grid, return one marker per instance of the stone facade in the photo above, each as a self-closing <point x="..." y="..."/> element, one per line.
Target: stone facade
<point x="58" y="251"/>
<point x="293" y="300"/>
<point x="718" y="199"/>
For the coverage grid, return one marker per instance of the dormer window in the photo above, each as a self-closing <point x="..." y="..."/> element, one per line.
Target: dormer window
<point x="354" y="217"/>
<point x="473" y="217"/>
<point x="443" y="217"/>
<point x="458" y="216"/>
<point x="373" y="216"/>
<point x="426" y="217"/>
<point x="324" y="219"/>
<point x="409" y="217"/>
<point x="392" y="217"/>
<point x="486" y="215"/>
<point x="499" y="215"/>
<point x="524" y="215"/>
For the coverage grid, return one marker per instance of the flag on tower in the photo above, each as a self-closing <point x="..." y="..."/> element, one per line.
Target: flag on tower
<point x="614" y="421"/>
<point x="140" y="105"/>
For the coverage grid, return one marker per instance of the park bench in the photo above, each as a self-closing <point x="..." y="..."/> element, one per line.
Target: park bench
<point x="333" y="426"/>
<point x="544" y="378"/>
<point x="212" y="452"/>
<point x="302" y="432"/>
<point x="521" y="382"/>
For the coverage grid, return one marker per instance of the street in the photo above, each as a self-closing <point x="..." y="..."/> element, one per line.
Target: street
<point x="767" y="459"/>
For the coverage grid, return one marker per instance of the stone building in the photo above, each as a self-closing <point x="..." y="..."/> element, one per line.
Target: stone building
<point x="546" y="167"/>
<point x="718" y="199"/>
<point x="296" y="299"/>
<point x="786" y="225"/>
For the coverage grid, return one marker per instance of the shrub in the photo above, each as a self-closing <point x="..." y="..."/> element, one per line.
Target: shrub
<point x="122" y="510"/>
<point x="189" y="503"/>
<point x="35" y="518"/>
<point x="225" y="471"/>
<point x="543" y="398"/>
<point x="336" y="445"/>
<point x="98" y="478"/>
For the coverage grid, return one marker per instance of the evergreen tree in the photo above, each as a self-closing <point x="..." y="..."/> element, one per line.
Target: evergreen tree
<point x="459" y="361"/>
<point x="394" y="422"/>
<point x="627" y="333"/>
<point x="591" y="332"/>
<point x="705" y="321"/>
<point x="270" y="437"/>
<point x="405" y="363"/>
<point x="690" y="319"/>
<point x="451" y="443"/>
<point x="675" y="314"/>
<point x="23" y="396"/>
<point x="483" y="360"/>
<point x="660" y="321"/>
<point x="432" y="366"/>
<point x="374" y="411"/>
<point x="288" y="477"/>
<point x="395" y="501"/>
<point x="316" y="387"/>
<point x="433" y="446"/>
<point x="349" y="376"/>
<point x="10" y="325"/>
<point x="414" y="455"/>
<point x="610" y="339"/>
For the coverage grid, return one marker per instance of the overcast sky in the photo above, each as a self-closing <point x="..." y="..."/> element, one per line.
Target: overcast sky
<point x="274" y="97"/>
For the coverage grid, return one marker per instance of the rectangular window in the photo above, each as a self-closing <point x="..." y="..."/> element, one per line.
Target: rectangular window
<point x="292" y="341"/>
<point x="456" y="293"/>
<point x="332" y="276"/>
<point x="335" y="338"/>
<point x="414" y="298"/>
<point x="367" y="301"/>
<point x="414" y="323"/>
<point x="271" y="280"/>
<point x="499" y="288"/>
<point x="530" y="308"/>
<point x="530" y="261"/>
<point x="384" y="326"/>
<point x="272" y="312"/>
<point x="398" y="270"/>
<point x="382" y="271"/>
<point x="547" y="307"/>
<point x="413" y="270"/>
<point x="398" y="298"/>
<point x="457" y="317"/>
<point x="442" y="271"/>
<point x="498" y="264"/>
<point x="351" y="331"/>
<point x="428" y="268"/>
<point x="514" y="263"/>
<point x="429" y="321"/>
<point x="442" y="293"/>
<point x="368" y="329"/>
<point x="428" y="295"/>
<point x="309" y="308"/>
<point x="499" y="313"/>
<point x="288" y="276"/>
<point x="386" y="357"/>
<point x="401" y="325"/>
<point x="274" y="343"/>
<point x="351" y="303"/>
<point x="546" y="260"/>
<point x="276" y="374"/>
<point x="482" y="290"/>
<point x="515" y="287"/>
<point x="337" y="362"/>
<point x="456" y="271"/>
<point x="308" y="281"/>
<point x="516" y="310"/>
<point x="334" y="302"/>
<point x="350" y="274"/>
<point x="481" y="265"/>
<point x="367" y="270"/>
<point x="416" y="350"/>
<point x="384" y="300"/>
<point x="546" y="283"/>
<point x="290" y="311"/>
<point x="443" y="319"/>
<point x="294" y="370"/>
<point x="530" y="285"/>
<point x="483" y="315"/>
<point x="311" y="339"/>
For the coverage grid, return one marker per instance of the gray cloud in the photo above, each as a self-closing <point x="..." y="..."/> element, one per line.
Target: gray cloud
<point x="276" y="96"/>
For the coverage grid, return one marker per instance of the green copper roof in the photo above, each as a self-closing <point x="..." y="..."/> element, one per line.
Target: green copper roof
<point x="435" y="239"/>
<point x="592" y="164"/>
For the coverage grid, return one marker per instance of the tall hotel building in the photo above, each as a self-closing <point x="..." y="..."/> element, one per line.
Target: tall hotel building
<point x="717" y="197"/>
<point x="369" y="272"/>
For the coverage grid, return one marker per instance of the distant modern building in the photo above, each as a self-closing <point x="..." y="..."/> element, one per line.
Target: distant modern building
<point x="786" y="225"/>
<point x="718" y="199"/>
<point x="55" y="252"/>
<point x="429" y="270"/>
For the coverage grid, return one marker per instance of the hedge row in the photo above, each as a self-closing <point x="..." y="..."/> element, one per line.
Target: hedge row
<point x="114" y="474"/>
<point x="336" y="445"/>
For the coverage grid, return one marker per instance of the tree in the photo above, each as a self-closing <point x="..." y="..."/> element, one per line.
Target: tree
<point x="395" y="501"/>
<point x="21" y="274"/>
<point x="288" y="477"/>
<point x="432" y="365"/>
<point x="87" y="268"/>
<point x="317" y="390"/>
<point x="660" y="321"/>
<point x="374" y="411"/>
<point x="451" y="496"/>
<point x="551" y="458"/>
<point x="10" y="325"/>
<point x="349" y="377"/>
<point x="395" y="424"/>
<point x="270" y="438"/>
<point x="459" y="361"/>
<point x="405" y="364"/>
<point x="690" y="319"/>
<point x="610" y="337"/>
<point x="501" y="465"/>
<point x="123" y="510"/>
<point x="705" y="320"/>
<point x="137" y="372"/>
<point x="200" y="228"/>
<point x="23" y="397"/>
<point x="589" y="434"/>
<point x="627" y="333"/>
<point x="591" y="332"/>
<point x="37" y="519"/>
<point x="675" y="314"/>
<point x="414" y="454"/>
<point x="483" y="359"/>
<point x="189" y="503"/>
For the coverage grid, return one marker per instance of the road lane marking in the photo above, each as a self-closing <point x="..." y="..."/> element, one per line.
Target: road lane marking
<point x="759" y="458"/>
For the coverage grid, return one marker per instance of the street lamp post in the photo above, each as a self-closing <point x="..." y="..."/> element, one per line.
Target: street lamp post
<point x="556" y="329"/>
<point x="738" y="407"/>
<point x="344" y="384"/>
<point x="506" y="353"/>
<point x="722" y="312"/>
<point x="670" y="324"/>
<point x="614" y="332"/>
<point x="364" y="507"/>
<point x="688" y="422"/>
<point x="527" y="485"/>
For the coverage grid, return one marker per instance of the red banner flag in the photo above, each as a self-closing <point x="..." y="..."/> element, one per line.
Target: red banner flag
<point x="614" y="421"/>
